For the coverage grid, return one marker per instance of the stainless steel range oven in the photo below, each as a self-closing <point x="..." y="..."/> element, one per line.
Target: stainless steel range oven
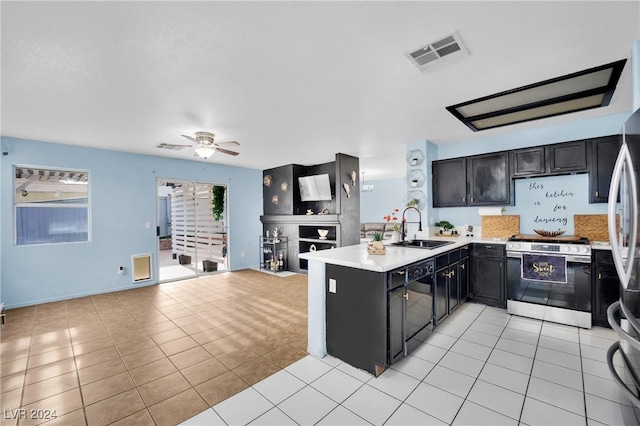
<point x="550" y="279"/>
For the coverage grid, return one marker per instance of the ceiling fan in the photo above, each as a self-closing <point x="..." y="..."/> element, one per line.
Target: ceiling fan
<point x="206" y="146"/>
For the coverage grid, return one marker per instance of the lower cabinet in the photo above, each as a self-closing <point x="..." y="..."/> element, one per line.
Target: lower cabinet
<point x="395" y="299"/>
<point x="375" y="318"/>
<point x="489" y="282"/>
<point x="606" y="286"/>
<point x="451" y="282"/>
<point x="463" y="274"/>
<point x="359" y="319"/>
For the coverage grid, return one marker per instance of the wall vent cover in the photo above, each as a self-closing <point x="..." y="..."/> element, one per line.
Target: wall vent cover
<point x="438" y="52"/>
<point x="170" y="146"/>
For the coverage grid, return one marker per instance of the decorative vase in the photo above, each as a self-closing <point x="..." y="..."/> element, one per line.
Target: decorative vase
<point x="395" y="237"/>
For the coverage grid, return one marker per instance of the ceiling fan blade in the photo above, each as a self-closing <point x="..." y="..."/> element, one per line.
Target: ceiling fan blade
<point x="190" y="138"/>
<point x="226" y="151"/>
<point x="228" y="143"/>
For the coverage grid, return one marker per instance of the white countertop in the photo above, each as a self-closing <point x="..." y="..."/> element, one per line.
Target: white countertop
<point x="356" y="256"/>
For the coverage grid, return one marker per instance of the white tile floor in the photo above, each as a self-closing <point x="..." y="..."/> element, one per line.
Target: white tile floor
<point x="480" y="367"/>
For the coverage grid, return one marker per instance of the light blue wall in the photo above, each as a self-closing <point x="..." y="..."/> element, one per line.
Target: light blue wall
<point x="123" y="199"/>
<point x="387" y="195"/>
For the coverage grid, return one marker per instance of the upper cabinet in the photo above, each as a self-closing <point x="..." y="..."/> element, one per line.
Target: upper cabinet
<point x="603" y="153"/>
<point x="528" y="162"/>
<point x="556" y="159"/>
<point x="449" y="182"/>
<point x="472" y="181"/>
<point x="489" y="180"/>
<point x="567" y="157"/>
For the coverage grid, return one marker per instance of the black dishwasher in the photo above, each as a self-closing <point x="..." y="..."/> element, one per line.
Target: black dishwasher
<point x="419" y="303"/>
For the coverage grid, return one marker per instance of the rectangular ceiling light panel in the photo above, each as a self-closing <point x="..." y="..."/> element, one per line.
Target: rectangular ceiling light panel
<point x="591" y="88"/>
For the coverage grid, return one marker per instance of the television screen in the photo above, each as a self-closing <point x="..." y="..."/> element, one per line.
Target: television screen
<point x="315" y="188"/>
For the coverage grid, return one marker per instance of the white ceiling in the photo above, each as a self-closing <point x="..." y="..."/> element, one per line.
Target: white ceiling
<point x="293" y="82"/>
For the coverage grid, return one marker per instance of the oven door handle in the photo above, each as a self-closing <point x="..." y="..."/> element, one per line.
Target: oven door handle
<point x="623" y="386"/>
<point x="623" y="173"/>
<point x="615" y="306"/>
<point x="570" y="257"/>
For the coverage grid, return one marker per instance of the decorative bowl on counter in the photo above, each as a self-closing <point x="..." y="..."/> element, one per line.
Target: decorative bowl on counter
<point x="549" y="233"/>
<point x="323" y="233"/>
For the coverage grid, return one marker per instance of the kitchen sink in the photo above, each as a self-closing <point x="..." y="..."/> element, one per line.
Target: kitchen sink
<point x="425" y="244"/>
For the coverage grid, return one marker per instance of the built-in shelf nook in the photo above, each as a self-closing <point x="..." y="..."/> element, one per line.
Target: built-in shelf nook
<point x="316" y="216"/>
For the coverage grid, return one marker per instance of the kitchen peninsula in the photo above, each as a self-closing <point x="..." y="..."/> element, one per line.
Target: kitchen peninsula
<point x="370" y="310"/>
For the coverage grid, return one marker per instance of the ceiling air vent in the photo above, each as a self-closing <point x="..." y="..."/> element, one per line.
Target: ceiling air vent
<point x="438" y="52"/>
<point x="170" y="146"/>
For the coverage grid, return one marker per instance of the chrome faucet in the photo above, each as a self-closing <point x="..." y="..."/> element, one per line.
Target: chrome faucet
<point x="403" y="233"/>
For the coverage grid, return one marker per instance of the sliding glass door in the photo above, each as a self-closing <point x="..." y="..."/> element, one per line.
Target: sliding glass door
<point x="192" y="231"/>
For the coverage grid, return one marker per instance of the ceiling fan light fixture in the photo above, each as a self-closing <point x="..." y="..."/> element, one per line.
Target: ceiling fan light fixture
<point x="204" y="151"/>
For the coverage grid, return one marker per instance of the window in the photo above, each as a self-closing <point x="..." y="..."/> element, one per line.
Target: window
<point x="51" y="205"/>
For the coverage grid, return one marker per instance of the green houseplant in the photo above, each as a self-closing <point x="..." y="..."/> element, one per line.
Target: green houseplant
<point x="217" y="203"/>
<point x="376" y="246"/>
<point x="445" y="226"/>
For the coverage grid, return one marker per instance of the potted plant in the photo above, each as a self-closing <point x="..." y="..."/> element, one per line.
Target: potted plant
<point x="446" y="228"/>
<point x="376" y="246"/>
<point x="217" y="201"/>
<point x="413" y="203"/>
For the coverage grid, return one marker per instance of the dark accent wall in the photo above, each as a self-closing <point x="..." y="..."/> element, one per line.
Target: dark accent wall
<point x="288" y="213"/>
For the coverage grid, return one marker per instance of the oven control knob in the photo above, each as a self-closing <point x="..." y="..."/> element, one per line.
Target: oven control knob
<point x="509" y="245"/>
<point x="585" y="249"/>
<point x="517" y="245"/>
<point x="576" y="249"/>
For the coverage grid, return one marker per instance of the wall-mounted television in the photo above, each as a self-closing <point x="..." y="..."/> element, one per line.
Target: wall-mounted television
<point x="315" y="188"/>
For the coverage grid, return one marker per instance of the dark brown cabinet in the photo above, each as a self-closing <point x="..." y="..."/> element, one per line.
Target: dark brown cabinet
<point x="603" y="153"/>
<point x="396" y="301"/>
<point x="375" y="318"/>
<point x="463" y="273"/>
<point x="606" y="286"/>
<point x="560" y="158"/>
<point x="451" y="282"/>
<point x="450" y="183"/>
<point x="488" y="272"/>
<point x="489" y="179"/>
<point x="528" y="162"/>
<point x="472" y="181"/>
<point x="567" y="157"/>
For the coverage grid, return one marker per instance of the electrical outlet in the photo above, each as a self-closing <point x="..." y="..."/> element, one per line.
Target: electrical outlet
<point x="242" y="253"/>
<point x="147" y="225"/>
<point x="120" y="270"/>
<point x="332" y="285"/>
<point x="431" y="220"/>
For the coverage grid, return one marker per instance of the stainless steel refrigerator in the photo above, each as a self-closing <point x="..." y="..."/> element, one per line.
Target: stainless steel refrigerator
<point x="623" y="211"/>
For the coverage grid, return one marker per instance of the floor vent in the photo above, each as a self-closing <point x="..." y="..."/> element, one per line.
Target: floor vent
<point x="170" y="146"/>
<point x="438" y="52"/>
